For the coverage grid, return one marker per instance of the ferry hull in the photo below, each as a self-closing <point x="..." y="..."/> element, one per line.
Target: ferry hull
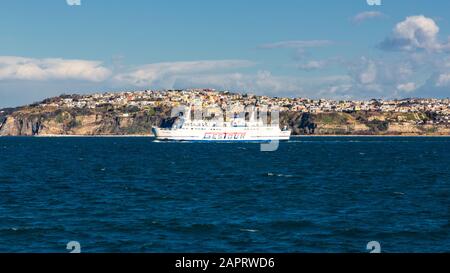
<point x="266" y="134"/>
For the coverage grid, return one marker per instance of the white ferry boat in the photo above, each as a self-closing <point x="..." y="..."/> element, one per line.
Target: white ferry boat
<point x="238" y="129"/>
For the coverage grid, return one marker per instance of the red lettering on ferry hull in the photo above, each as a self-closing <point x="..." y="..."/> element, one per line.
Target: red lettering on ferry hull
<point x="224" y="136"/>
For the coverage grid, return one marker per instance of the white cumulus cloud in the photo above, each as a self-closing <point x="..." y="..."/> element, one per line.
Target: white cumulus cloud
<point x="367" y="72"/>
<point x="224" y="75"/>
<point x="415" y="33"/>
<point x="262" y="81"/>
<point x="443" y="80"/>
<point x="21" y="68"/>
<point x="407" y="87"/>
<point x="297" y="44"/>
<point x="166" y="74"/>
<point x="312" y="65"/>
<point x="366" y="15"/>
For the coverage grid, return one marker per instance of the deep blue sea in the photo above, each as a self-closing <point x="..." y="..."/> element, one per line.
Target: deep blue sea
<point x="314" y="194"/>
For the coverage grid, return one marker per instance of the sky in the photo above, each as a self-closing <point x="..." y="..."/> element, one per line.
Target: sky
<point x="331" y="49"/>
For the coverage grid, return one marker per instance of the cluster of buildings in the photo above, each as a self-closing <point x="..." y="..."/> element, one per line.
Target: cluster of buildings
<point x="213" y="98"/>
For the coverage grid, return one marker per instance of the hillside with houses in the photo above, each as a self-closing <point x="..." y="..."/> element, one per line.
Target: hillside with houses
<point x="135" y="112"/>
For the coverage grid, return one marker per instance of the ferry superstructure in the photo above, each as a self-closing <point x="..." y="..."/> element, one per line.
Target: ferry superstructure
<point x="237" y="129"/>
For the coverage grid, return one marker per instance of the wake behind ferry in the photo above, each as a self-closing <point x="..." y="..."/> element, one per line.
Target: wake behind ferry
<point x="237" y="129"/>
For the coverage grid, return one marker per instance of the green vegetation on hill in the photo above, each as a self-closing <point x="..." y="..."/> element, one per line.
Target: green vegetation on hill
<point x="332" y="118"/>
<point x="109" y="120"/>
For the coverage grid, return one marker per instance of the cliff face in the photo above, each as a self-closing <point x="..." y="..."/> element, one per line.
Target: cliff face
<point x="32" y="121"/>
<point x="362" y="123"/>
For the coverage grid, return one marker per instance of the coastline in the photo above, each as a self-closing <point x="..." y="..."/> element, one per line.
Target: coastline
<point x="49" y="136"/>
<point x="297" y="136"/>
<point x="152" y="136"/>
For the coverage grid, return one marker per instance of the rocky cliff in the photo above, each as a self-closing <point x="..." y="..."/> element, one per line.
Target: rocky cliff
<point x="38" y="121"/>
<point x="363" y="123"/>
<point x="34" y="121"/>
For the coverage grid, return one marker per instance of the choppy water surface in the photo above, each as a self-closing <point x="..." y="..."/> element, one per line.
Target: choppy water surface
<point x="313" y="194"/>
